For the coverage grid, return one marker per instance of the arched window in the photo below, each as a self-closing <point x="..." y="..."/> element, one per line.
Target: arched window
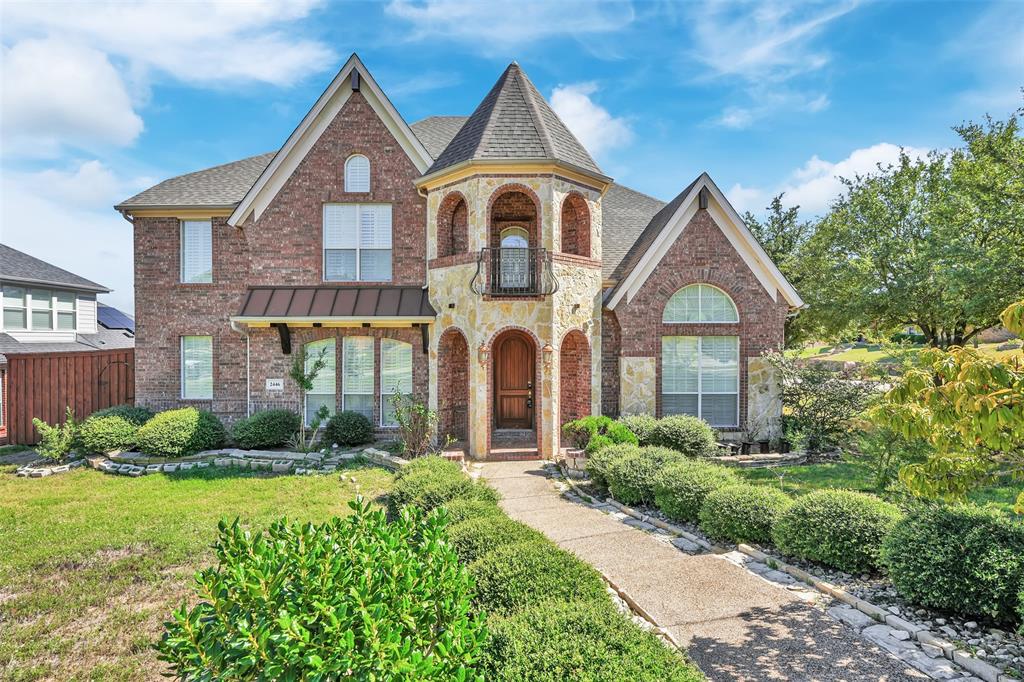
<point x="324" y="385"/>
<point x="700" y="303"/>
<point x="357" y="174"/>
<point x="515" y="258"/>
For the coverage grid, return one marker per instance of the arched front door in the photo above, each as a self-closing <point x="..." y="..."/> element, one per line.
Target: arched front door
<point x="514" y="372"/>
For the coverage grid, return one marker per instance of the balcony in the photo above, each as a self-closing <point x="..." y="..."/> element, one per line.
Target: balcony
<point x="514" y="271"/>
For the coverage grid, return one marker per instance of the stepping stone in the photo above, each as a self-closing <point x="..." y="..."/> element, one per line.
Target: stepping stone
<point x="686" y="545"/>
<point x="779" y="577"/>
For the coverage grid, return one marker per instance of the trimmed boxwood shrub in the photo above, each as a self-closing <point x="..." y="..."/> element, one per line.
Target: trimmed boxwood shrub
<point x="475" y="537"/>
<point x="597" y="464"/>
<point x="348" y="428"/>
<point x="839" y="528"/>
<point x="176" y="433"/>
<point x="460" y="510"/>
<point x="963" y="559"/>
<point x="267" y="429"/>
<point x="354" y="598"/>
<point x="101" y="434"/>
<point x="584" y="431"/>
<point x="553" y="642"/>
<point x="429" y="482"/>
<point x="517" y="576"/>
<point x="689" y="435"/>
<point x="631" y="477"/>
<point x="681" y="487"/>
<point x="743" y="513"/>
<point x="136" y="414"/>
<point x="640" y="424"/>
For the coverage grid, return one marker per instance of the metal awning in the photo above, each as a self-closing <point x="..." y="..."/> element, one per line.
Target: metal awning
<point x="335" y="306"/>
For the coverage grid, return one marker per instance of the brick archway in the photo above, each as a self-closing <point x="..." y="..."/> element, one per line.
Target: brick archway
<point x="574" y="377"/>
<point x="453" y="385"/>
<point x="575" y="225"/>
<point x="513" y="204"/>
<point x="452" y="225"/>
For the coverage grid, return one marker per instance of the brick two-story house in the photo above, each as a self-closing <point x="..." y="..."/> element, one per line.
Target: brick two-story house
<point x="484" y="264"/>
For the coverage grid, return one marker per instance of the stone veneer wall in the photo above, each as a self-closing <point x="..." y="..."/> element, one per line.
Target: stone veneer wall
<point x="702" y="254"/>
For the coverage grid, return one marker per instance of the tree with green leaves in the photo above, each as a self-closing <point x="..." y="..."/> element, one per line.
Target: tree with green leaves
<point x="936" y="243"/>
<point x="970" y="408"/>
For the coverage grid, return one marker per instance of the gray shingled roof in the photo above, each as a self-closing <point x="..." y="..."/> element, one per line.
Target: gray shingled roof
<point x="17" y="266"/>
<point x="220" y="186"/>
<point x="624" y="215"/>
<point x="514" y="121"/>
<point x="435" y="132"/>
<point x="105" y="339"/>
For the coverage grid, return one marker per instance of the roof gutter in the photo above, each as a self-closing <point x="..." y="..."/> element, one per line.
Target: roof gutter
<point x="98" y="289"/>
<point x="485" y="163"/>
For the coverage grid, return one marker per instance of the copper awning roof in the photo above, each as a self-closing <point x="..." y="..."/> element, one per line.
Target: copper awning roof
<point x="336" y="303"/>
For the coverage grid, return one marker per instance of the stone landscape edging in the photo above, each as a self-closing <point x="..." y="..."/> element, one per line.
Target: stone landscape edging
<point x="975" y="666"/>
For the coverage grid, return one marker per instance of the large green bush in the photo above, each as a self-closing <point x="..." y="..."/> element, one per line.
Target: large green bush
<point x="961" y="558"/>
<point x="348" y="428"/>
<point x="689" y="435"/>
<point x="590" y="641"/>
<point x="681" y="487"/>
<point x="473" y="538"/>
<point x="267" y="429"/>
<point x="136" y="414"/>
<point x="839" y="528"/>
<point x="101" y="434"/>
<point x="640" y="424"/>
<point x="429" y="482"/>
<point x="631" y="477"/>
<point x="176" y="433"/>
<point x="354" y="598"/>
<point x="584" y="431"/>
<point x="517" y="576"/>
<point x="743" y="513"/>
<point x="460" y="510"/>
<point x="598" y="463"/>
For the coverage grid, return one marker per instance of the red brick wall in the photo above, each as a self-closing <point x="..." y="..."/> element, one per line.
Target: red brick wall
<point x="575" y="226"/>
<point x="702" y="254"/>
<point x="514" y="205"/>
<point x="452" y="226"/>
<point x="611" y="347"/>
<point x="574" y="379"/>
<point x="453" y="384"/>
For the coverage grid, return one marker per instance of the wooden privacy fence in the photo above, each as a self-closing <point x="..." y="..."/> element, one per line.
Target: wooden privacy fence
<point x="44" y="385"/>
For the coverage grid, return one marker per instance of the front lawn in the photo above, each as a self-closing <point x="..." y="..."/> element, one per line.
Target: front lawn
<point x="854" y="474"/>
<point x="876" y="353"/>
<point x="91" y="565"/>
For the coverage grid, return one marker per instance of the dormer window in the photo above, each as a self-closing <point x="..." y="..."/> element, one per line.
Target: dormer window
<point x="357" y="174"/>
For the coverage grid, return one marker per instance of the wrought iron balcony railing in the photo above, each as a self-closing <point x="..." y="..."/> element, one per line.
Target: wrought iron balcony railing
<point x="506" y="271"/>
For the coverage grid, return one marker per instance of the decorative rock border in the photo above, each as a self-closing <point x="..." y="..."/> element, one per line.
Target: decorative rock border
<point x="41" y="468"/>
<point x="909" y="642"/>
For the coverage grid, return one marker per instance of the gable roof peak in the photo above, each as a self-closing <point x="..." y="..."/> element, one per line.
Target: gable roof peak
<point x="515" y="122"/>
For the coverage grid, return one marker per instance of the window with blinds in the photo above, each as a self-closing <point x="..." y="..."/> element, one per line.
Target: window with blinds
<point x="700" y="303"/>
<point x="197" y="367"/>
<point x="42" y="308"/>
<point x="357" y="174"/>
<point x="196" y="251"/>
<point x="324" y="391"/>
<point x="357" y="242"/>
<point x="700" y="377"/>
<point x="357" y="375"/>
<point x="66" y="310"/>
<point x="395" y="377"/>
<point x="15" y="309"/>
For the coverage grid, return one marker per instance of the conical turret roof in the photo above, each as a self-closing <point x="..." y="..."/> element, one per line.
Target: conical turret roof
<point x="514" y="121"/>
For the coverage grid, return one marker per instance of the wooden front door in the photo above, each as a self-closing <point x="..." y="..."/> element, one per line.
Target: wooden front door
<point x="513" y="381"/>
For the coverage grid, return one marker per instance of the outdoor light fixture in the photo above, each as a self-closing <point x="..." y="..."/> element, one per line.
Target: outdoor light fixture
<point x="482" y="352"/>
<point x="548" y="352"/>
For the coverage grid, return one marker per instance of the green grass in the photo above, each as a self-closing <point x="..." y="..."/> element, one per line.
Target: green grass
<point x="875" y="353"/>
<point x="13" y="449"/>
<point x="856" y="475"/>
<point x="91" y="564"/>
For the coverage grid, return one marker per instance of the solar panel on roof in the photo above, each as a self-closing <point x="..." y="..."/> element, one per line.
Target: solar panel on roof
<point x="112" y="318"/>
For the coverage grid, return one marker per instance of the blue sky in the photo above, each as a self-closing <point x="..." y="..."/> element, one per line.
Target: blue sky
<point x="102" y="100"/>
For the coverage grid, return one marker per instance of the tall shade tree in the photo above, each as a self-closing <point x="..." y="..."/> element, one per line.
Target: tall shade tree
<point x="937" y="242"/>
<point x="970" y="408"/>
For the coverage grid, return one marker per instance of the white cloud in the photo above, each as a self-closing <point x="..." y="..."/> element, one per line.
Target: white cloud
<point x="814" y="185"/>
<point x="591" y="123"/>
<point x="55" y="92"/>
<point x="491" y="27"/>
<point x="64" y="217"/>
<point x="736" y="117"/>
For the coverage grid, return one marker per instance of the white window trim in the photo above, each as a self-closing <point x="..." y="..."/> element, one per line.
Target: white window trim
<point x="699" y="304"/>
<point x="306" y="394"/>
<point x="181" y="362"/>
<point x="700" y="380"/>
<point x="344" y="357"/>
<point x="384" y="397"/>
<point x="181" y="249"/>
<point x="369" y="179"/>
<point x="358" y="249"/>
<point x="27" y="307"/>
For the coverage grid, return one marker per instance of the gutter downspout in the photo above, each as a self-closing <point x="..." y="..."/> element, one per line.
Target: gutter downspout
<point x="248" y="390"/>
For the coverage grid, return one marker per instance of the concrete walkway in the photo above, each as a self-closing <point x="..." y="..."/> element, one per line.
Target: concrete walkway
<point x="735" y="625"/>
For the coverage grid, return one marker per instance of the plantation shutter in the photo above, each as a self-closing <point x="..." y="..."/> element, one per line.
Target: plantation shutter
<point x="324" y="384"/>
<point x="196" y="251"/>
<point x="357" y="242"/>
<point x="357" y="174"/>
<point x="197" y="367"/>
<point x="679" y="375"/>
<point x="395" y="376"/>
<point x="340" y="242"/>
<point x="719" y="381"/>
<point x="357" y="375"/>
<point x="375" y="243"/>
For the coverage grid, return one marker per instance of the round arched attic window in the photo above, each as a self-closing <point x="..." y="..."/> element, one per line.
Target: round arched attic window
<point x="357" y="174"/>
<point x="700" y="303"/>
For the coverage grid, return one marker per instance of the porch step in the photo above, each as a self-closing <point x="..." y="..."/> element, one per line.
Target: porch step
<point x="512" y="454"/>
<point x="506" y="436"/>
